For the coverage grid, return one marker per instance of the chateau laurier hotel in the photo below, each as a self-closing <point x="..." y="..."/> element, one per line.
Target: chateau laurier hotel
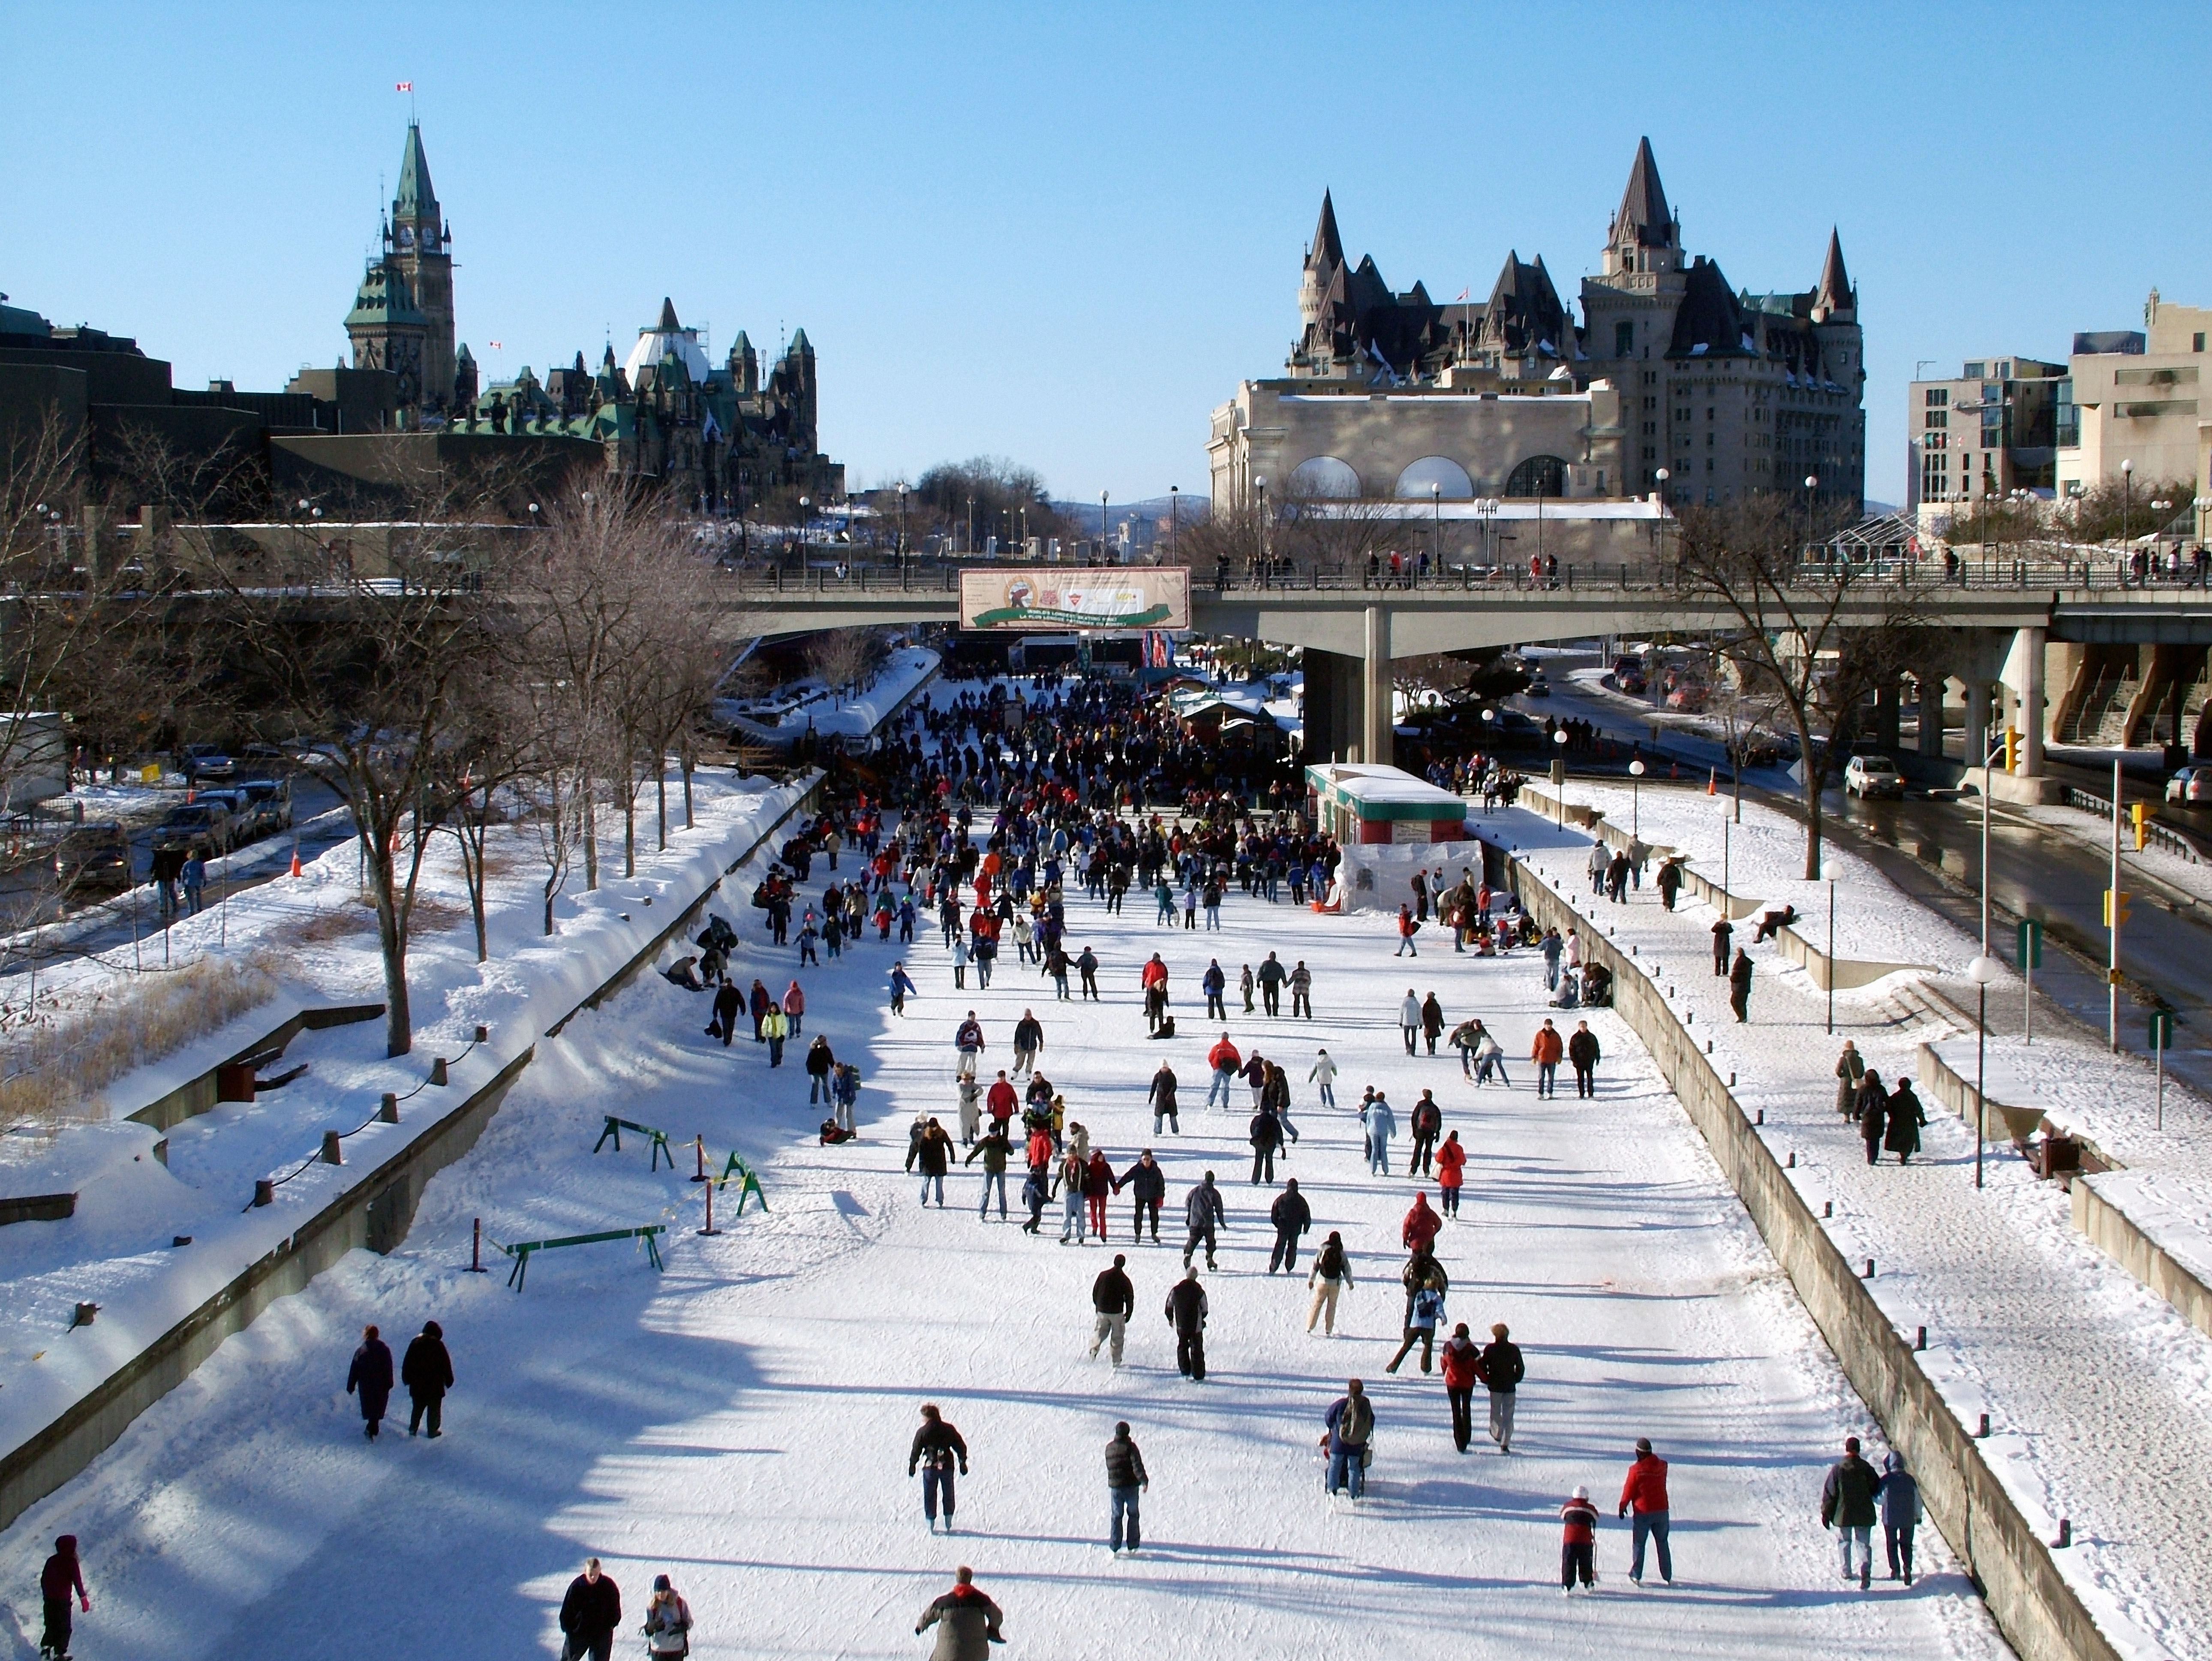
<point x="1392" y="397"/>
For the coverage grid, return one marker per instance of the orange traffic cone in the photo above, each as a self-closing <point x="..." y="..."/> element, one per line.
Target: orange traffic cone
<point x="296" y="861"/>
<point x="1713" y="783"/>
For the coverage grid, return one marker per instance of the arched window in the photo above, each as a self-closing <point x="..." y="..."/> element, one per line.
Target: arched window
<point x="1325" y="475"/>
<point x="1539" y="476"/>
<point x="1414" y="483"/>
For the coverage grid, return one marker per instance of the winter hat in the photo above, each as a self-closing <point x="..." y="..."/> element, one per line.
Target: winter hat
<point x="1121" y="1261"/>
<point x="1643" y="1445"/>
<point x="66" y="1545"/>
<point x="1850" y="1444"/>
<point x="660" y="1584"/>
<point x="1580" y="1493"/>
<point x="432" y="1329"/>
<point x="1121" y="1428"/>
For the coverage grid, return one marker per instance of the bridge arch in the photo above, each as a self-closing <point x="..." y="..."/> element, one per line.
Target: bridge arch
<point x="1414" y="483"/>
<point x="1328" y="476"/>
<point x="1539" y="476"/>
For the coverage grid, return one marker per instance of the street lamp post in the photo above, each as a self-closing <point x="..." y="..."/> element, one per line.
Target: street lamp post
<point x="1174" y="501"/>
<point x="806" y="507"/>
<point x="1982" y="971"/>
<point x="1812" y="483"/>
<point x="902" y="533"/>
<point x="2127" y="487"/>
<point x="1104" y="558"/>
<point x="1436" y="527"/>
<point x="1559" y="773"/>
<point x="1659" y="525"/>
<point x="1260" y="484"/>
<point x="971" y="527"/>
<point x="1635" y="786"/>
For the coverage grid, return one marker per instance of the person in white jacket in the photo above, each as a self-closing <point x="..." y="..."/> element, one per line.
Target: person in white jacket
<point x="1324" y="1074"/>
<point x="1382" y="1125"/>
<point x="1599" y="862"/>
<point x="1409" y="1019"/>
<point x="667" y="1622"/>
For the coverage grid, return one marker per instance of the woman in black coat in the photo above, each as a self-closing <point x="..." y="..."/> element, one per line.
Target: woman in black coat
<point x="427" y="1373"/>
<point x="1873" y="1114"/>
<point x="370" y="1377"/>
<point x="1905" y="1118"/>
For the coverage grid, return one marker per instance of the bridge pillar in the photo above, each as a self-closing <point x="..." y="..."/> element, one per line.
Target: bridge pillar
<point x="1931" y="684"/>
<point x="1889" y="700"/>
<point x="1376" y="710"/>
<point x="1974" y="743"/>
<point x="2031" y="642"/>
<point x="1332" y="705"/>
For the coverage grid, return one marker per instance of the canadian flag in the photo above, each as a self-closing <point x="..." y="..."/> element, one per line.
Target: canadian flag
<point x="404" y="86"/>
<point x="497" y="345"/>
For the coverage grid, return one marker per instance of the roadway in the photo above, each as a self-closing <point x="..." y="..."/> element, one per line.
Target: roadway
<point x="1930" y="848"/>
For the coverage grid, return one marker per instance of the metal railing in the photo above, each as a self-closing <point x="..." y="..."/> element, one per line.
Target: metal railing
<point x="2162" y="836"/>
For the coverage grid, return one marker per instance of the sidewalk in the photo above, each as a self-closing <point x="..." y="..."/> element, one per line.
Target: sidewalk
<point x="2099" y="1392"/>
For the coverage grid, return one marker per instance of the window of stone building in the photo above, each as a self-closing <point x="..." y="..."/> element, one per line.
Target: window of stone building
<point x="1624" y="340"/>
<point x="1936" y="396"/>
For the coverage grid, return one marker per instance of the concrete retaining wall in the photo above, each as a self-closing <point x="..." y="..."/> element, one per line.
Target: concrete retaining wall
<point x="375" y="1212"/>
<point x="2039" y="1613"/>
<point x="197" y="1096"/>
<point x="2128" y="1244"/>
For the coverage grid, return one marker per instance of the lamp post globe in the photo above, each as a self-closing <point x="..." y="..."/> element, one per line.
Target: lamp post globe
<point x="1983" y="971"/>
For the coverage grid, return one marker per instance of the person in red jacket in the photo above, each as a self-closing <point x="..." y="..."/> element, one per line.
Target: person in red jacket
<point x="1452" y="1172"/>
<point x="1002" y="1100"/>
<point x="62" y="1575"/>
<point x="1578" y="1545"/>
<point x="1421" y="1226"/>
<point x="1646" y="1491"/>
<point x="1463" y="1364"/>
<point x="1097" y="1184"/>
<point x="1547" y="1052"/>
<point x="1226" y="1063"/>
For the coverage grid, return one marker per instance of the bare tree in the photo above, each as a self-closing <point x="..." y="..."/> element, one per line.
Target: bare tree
<point x="1818" y="637"/>
<point x="845" y="658"/>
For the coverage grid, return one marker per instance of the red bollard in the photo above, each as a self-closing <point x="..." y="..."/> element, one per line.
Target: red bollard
<point x="699" y="1143"/>
<point x="710" y="1228"/>
<point x="475" y="1250"/>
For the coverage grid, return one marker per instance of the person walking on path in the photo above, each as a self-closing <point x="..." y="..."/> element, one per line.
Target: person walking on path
<point x="776" y="1027"/>
<point x="819" y="1061"/>
<point x="1002" y="1099"/>
<point x="1502" y="1371"/>
<point x="1409" y="1019"/>
<point x="667" y="1622"/>
<point x="1432" y="1021"/>
<point x="1226" y="1063"/>
<point x="1599" y="860"/>
<point x="1186" y="1313"/>
<point x="1382" y="1125"/>
<point x="1552" y="948"/>
<point x="1451" y="1173"/>
<point x="1422" y="1314"/>
<point x="1851" y="1073"/>
<point x="1098" y="1187"/>
<point x="1546" y="1052"/>
<point x="1125" y="1479"/>
<point x="1739" y="986"/>
<point x="1407" y="930"/>
<point x="968" y="1044"/>
<point x="794" y="1007"/>
<point x="1266" y="1135"/>
<point x="1086" y="965"/>
<point x="1351" y="1422"/>
<point x="1073" y="1172"/>
<point x="1578" y="1542"/>
<point x="1037" y="1194"/>
<point x="1900" y="1515"/>
<point x="933" y="1153"/>
<point x="968" y="1623"/>
<point x="1905" y="1118"/>
<point x="1112" y="1301"/>
<point x="427" y="1370"/>
<point x="729" y="1003"/>
<point x="1644" y="1502"/>
<point x="994" y="1151"/>
<point x="1670" y="882"/>
<point x="902" y="988"/>
<point x="1271" y="978"/>
<point x="590" y="1613"/>
<point x="1425" y="1122"/>
<point x="1148" y="1183"/>
<point x="1583" y="1052"/>
<point x="1246" y="984"/>
<point x="969" y="1100"/>
<point x="1214" y="983"/>
<point x="61" y="1577"/>
<point x="1324" y="1074"/>
<point x="1847" y="1504"/>
<point x="1202" y="1212"/>
<point x="937" y="1446"/>
<point x="1302" y="990"/>
<point x="1723" y="932"/>
<point x="1462" y="1364"/>
<point x="1332" y="1274"/>
<point x="1029" y="1038"/>
<point x="1291" y="1217"/>
<point x="1873" y="1114"/>
<point x="370" y="1378"/>
<point x="1418" y="1231"/>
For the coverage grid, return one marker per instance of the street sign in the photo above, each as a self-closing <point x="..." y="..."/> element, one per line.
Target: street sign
<point x="2161" y="1029"/>
<point x="2030" y="944"/>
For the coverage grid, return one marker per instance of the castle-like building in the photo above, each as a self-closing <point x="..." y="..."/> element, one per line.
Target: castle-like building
<point x="1391" y="395"/>
<point x="720" y="436"/>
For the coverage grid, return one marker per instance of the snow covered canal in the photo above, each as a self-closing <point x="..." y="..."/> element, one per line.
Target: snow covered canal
<point x="741" y="1421"/>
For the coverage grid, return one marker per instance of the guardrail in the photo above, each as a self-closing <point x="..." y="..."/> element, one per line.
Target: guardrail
<point x="2163" y="836"/>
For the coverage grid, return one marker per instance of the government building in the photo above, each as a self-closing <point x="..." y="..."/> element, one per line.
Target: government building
<point x="1673" y="387"/>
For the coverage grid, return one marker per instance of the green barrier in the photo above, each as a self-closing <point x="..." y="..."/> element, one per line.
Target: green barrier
<point x="750" y="1184"/>
<point x="520" y="1251"/>
<point x="659" y="1138"/>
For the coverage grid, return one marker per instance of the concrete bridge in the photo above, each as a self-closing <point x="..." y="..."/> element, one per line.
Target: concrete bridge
<point x="2042" y="636"/>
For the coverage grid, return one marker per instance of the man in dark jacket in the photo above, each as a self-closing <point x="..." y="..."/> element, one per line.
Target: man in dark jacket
<point x="62" y="1576"/>
<point x="1148" y="1183"/>
<point x="936" y="1446"/>
<point x="1186" y="1313"/>
<point x="1291" y="1217"/>
<point x="1113" y="1300"/>
<point x="1162" y="1096"/>
<point x="1427" y="1124"/>
<point x="729" y="1003"/>
<point x="590" y="1614"/>
<point x="1125" y="1475"/>
<point x="1847" y="1504"/>
<point x="1266" y="1136"/>
<point x="971" y="1620"/>
<point x="1502" y="1371"/>
<point x="1201" y="1210"/>
<point x="1271" y="978"/>
<point x="1583" y="1051"/>
<point x="1213" y="983"/>
<point x="370" y="1377"/>
<point x="427" y="1373"/>
<point x="1433" y="1022"/>
<point x="1740" y="985"/>
<point x="1723" y="933"/>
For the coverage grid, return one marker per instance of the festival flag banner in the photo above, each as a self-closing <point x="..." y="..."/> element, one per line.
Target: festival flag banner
<point x="1081" y="598"/>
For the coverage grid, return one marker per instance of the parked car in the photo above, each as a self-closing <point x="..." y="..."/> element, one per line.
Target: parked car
<point x="1689" y="695"/>
<point x="1628" y="676"/>
<point x="272" y="799"/>
<point x="208" y="761"/>
<point x="1760" y="752"/>
<point x="92" y="857"/>
<point x="2190" y="784"/>
<point x="1873" y="776"/>
<point x="202" y="824"/>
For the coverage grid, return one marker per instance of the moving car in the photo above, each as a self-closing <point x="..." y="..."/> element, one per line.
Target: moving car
<point x="1539" y="686"/>
<point x="208" y="761"/>
<point x="202" y="824"/>
<point x="92" y="857"/>
<point x="272" y="801"/>
<point x="1873" y="776"/>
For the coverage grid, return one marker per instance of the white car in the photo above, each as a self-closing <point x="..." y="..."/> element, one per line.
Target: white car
<point x="2190" y="784"/>
<point x="1873" y="776"/>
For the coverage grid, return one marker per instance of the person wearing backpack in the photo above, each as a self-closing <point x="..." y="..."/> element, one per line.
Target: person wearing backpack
<point x="1332" y="1274"/>
<point x="1426" y="1309"/>
<point x="667" y="1622"/>
<point x="1351" y="1422"/>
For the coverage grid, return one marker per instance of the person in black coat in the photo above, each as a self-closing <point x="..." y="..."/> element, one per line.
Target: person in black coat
<point x="590" y="1614"/>
<point x="370" y="1378"/>
<point x="729" y="1003"/>
<point x="1873" y="1114"/>
<point x="1266" y="1136"/>
<point x="1740" y="985"/>
<point x="1291" y="1217"/>
<point x="427" y="1373"/>
<point x="1583" y="1050"/>
<point x="1186" y="1313"/>
<point x="1148" y="1183"/>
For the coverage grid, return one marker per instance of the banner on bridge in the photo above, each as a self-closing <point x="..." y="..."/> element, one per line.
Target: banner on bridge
<point x="1095" y="596"/>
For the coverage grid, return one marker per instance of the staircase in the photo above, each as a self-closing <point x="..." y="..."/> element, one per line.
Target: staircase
<point x="2101" y="716"/>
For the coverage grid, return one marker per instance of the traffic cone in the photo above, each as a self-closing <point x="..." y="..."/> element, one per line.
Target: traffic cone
<point x="1713" y="782"/>
<point x="296" y="861"/>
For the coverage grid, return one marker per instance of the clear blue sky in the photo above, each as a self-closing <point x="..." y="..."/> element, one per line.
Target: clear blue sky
<point x="1064" y="234"/>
